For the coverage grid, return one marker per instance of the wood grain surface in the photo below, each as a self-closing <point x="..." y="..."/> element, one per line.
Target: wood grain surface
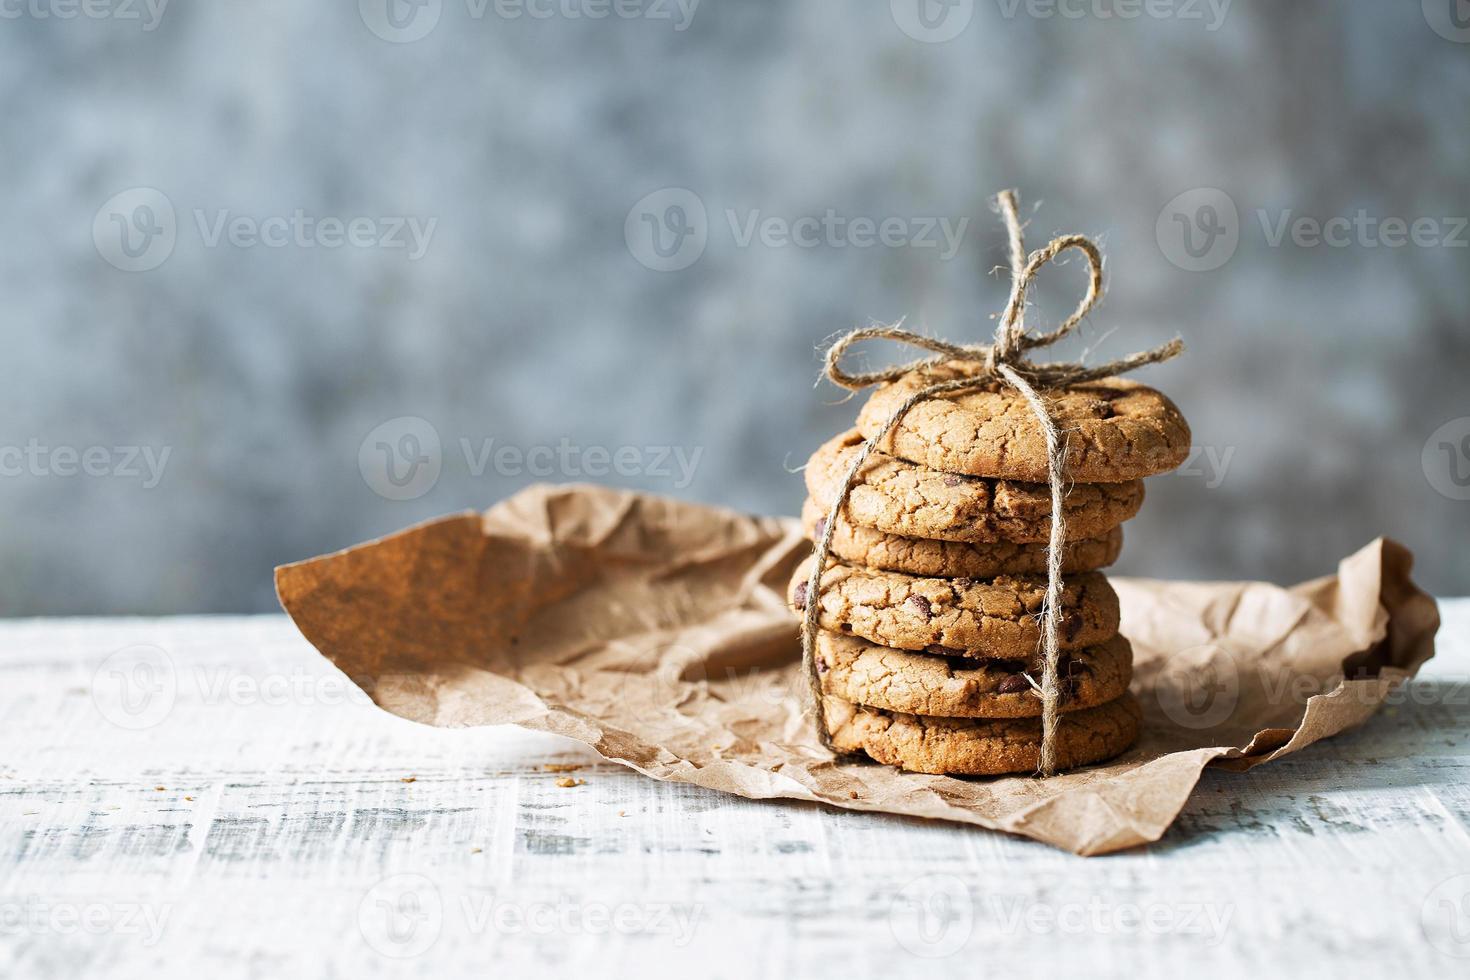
<point x="208" y="797"/>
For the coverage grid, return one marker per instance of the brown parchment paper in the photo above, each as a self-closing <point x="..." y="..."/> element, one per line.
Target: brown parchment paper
<point x="654" y="631"/>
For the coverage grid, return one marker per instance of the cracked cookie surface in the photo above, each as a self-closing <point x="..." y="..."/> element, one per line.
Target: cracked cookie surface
<point x="909" y="499"/>
<point x="950" y="559"/>
<point x="924" y="684"/>
<point x="980" y="747"/>
<point x="991" y="619"/>
<point x="1115" y="429"/>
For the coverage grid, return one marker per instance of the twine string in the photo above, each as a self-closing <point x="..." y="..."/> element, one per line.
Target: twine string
<point x="1003" y="359"/>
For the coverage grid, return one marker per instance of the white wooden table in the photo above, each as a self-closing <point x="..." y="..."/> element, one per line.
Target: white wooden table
<point x="207" y="797"/>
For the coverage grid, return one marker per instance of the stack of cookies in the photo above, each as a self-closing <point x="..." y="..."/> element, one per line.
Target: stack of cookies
<point x="930" y="642"/>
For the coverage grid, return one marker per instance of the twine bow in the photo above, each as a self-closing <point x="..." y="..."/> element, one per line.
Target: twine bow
<point x="1003" y="359"/>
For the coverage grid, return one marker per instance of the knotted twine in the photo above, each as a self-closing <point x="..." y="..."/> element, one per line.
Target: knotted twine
<point x="1003" y="359"/>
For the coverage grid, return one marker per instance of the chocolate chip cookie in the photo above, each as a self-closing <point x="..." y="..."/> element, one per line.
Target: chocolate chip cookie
<point x="990" y="619"/>
<point x="924" y="684"/>
<point x="980" y="747"/>
<point x="899" y="497"/>
<point x="1115" y="429"/>
<point x="948" y="559"/>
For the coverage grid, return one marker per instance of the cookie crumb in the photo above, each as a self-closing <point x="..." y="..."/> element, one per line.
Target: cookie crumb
<point x="567" y="782"/>
<point x="409" y="779"/>
<point x="622" y="813"/>
<point x="476" y="850"/>
<point x="189" y="798"/>
<point x="158" y="789"/>
<point x="562" y="766"/>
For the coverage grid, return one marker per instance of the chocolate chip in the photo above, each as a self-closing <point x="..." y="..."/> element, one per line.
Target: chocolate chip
<point x="950" y="480"/>
<point x="821" y="528"/>
<point x="1014" y="684"/>
<point x="799" y="596"/>
<point x="963" y="583"/>
<point x="821" y="665"/>
<point x="940" y="651"/>
<point x="922" y="605"/>
<point x="847" y="627"/>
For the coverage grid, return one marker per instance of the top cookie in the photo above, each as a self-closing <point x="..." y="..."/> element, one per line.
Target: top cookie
<point x="1115" y="429"/>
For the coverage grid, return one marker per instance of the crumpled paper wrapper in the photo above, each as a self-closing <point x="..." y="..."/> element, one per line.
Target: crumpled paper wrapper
<point x="655" y="632"/>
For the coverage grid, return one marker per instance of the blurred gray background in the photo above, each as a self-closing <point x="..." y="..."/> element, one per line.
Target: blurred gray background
<point x="226" y="346"/>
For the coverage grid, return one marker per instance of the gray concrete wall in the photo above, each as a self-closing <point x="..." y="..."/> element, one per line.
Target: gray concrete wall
<point x="203" y="259"/>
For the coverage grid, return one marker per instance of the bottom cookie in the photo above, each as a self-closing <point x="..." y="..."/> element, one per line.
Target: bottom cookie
<point x="980" y="747"/>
